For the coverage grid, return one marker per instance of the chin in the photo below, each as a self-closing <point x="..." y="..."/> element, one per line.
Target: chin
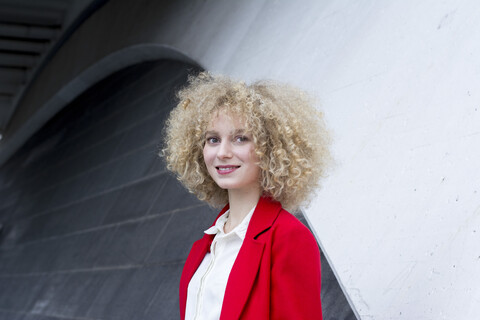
<point x="226" y="186"/>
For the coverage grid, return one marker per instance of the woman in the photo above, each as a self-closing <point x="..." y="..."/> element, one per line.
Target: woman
<point x="253" y="150"/>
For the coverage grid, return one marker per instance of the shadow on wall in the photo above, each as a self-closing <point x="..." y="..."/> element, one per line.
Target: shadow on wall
<point x="93" y="225"/>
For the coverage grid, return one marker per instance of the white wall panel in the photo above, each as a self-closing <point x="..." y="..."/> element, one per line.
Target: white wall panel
<point x="399" y="216"/>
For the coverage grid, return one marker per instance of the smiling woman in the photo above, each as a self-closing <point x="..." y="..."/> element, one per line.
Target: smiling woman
<point x="253" y="149"/>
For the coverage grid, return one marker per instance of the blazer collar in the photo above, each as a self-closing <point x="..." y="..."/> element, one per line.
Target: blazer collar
<point x="246" y="266"/>
<point x="263" y="217"/>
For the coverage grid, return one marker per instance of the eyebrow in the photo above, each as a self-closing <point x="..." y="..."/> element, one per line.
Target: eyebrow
<point x="234" y="132"/>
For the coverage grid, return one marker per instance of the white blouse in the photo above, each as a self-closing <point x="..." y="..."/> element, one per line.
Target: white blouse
<point x="207" y="286"/>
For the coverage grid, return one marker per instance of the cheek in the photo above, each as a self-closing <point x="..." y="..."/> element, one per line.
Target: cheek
<point x="207" y="155"/>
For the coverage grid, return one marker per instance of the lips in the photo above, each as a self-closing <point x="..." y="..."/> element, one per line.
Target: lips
<point x="226" y="169"/>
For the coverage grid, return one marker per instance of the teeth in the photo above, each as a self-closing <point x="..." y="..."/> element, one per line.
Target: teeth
<point x="224" y="169"/>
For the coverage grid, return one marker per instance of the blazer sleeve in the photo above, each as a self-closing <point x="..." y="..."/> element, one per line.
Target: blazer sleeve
<point x="295" y="274"/>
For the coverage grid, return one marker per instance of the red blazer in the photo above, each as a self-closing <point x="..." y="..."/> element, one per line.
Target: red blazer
<point x="276" y="274"/>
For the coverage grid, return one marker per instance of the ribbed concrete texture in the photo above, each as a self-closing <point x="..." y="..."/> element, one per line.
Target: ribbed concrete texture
<point x="93" y="227"/>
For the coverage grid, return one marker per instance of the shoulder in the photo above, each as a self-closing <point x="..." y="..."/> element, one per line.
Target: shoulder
<point x="287" y="226"/>
<point x="287" y="222"/>
<point x="293" y="245"/>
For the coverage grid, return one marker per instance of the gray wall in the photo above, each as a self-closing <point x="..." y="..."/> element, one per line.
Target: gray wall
<point x="93" y="225"/>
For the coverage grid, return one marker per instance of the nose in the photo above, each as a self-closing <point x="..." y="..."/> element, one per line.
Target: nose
<point x="224" y="150"/>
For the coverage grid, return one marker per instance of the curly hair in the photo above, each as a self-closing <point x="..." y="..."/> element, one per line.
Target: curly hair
<point x="289" y="134"/>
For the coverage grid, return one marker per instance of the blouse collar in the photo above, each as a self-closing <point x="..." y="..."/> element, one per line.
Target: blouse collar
<point x="240" y="230"/>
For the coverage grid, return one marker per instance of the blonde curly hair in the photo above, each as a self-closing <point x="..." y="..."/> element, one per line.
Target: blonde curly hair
<point x="289" y="134"/>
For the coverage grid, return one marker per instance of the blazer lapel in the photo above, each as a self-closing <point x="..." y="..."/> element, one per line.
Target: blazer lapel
<point x="197" y="253"/>
<point x="247" y="263"/>
<point x="195" y="257"/>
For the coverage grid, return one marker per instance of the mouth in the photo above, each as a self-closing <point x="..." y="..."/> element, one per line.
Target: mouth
<point x="226" y="169"/>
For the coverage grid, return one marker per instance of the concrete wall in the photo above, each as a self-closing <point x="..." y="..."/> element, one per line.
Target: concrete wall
<point x="398" y="81"/>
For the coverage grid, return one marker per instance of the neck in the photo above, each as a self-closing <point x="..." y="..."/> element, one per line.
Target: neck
<point x="241" y="202"/>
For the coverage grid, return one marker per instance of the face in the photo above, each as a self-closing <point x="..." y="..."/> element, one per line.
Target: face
<point x="229" y="154"/>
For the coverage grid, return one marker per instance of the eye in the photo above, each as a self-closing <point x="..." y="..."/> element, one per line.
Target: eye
<point x="241" y="139"/>
<point x="212" y="140"/>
